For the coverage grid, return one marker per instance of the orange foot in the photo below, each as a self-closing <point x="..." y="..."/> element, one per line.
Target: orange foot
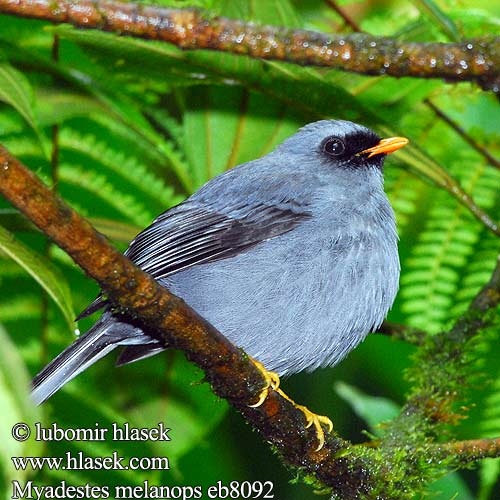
<point x="273" y="382"/>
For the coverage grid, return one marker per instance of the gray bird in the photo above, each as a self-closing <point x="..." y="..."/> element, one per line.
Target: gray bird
<point x="293" y="257"/>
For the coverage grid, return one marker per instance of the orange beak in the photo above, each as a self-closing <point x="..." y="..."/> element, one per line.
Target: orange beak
<point x="386" y="146"/>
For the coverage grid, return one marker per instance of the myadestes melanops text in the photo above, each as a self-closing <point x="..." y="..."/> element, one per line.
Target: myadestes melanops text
<point x="293" y="257"/>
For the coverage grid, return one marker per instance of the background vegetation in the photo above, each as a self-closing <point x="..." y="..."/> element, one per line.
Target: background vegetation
<point x="124" y="129"/>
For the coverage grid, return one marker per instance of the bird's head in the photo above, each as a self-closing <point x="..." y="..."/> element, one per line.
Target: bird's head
<point x="341" y="144"/>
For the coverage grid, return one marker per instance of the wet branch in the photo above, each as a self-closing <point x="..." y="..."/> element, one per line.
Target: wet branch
<point x="474" y="60"/>
<point x="230" y="372"/>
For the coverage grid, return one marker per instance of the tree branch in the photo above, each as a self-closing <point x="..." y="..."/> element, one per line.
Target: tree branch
<point x="474" y="60"/>
<point x="438" y="373"/>
<point x="230" y="372"/>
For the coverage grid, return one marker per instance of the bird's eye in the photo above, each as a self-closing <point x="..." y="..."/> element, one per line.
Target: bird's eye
<point x="334" y="147"/>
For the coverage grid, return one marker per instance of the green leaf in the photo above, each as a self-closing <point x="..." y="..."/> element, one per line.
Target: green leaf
<point x="56" y="107"/>
<point x="444" y="22"/>
<point x="488" y="475"/>
<point x="42" y="270"/>
<point x="16" y="90"/>
<point x="450" y="487"/>
<point x="226" y="138"/>
<point x="374" y="410"/>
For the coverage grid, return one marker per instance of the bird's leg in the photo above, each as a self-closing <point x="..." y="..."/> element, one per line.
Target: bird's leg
<point x="273" y="382"/>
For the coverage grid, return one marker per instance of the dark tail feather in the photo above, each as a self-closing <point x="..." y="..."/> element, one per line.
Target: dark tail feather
<point x="101" y="339"/>
<point x="133" y="353"/>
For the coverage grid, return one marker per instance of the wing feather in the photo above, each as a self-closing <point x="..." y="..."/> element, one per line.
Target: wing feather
<point x="192" y="234"/>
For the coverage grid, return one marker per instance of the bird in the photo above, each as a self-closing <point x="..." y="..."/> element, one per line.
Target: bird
<point x="292" y="256"/>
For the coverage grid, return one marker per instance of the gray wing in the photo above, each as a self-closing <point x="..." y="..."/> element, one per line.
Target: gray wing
<point x="191" y="234"/>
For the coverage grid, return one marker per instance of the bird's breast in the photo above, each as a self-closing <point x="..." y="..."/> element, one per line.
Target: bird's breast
<point x="298" y="301"/>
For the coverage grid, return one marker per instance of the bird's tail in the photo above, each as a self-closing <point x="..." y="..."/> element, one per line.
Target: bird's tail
<point x="102" y="338"/>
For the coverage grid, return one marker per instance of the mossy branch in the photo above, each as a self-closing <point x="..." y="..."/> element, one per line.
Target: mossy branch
<point x="230" y="372"/>
<point x="439" y="381"/>
<point x="475" y="60"/>
<point x="399" y="463"/>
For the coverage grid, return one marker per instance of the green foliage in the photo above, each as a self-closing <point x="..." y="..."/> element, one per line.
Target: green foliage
<point x="48" y="276"/>
<point x="16" y="91"/>
<point x="453" y="256"/>
<point x="375" y="410"/>
<point x="140" y="125"/>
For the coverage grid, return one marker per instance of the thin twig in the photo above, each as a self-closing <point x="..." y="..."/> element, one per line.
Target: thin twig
<point x="347" y="19"/>
<point x="474" y="60"/>
<point x="411" y="335"/>
<point x="462" y="133"/>
<point x="471" y="450"/>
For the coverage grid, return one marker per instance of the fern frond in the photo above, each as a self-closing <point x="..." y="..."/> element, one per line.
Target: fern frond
<point x="453" y="254"/>
<point x="20" y="145"/>
<point x="477" y="270"/>
<point x="445" y="246"/>
<point x="168" y="123"/>
<point x="99" y="187"/>
<point x="403" y="191"/>
<point x="165" y="154"/>
<point x="119" y="164"/>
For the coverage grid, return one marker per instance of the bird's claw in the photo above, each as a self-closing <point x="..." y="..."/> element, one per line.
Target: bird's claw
<point x="272" y="382"/>
<point x="312" y="419"/>
<point x="317" y="421"/>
